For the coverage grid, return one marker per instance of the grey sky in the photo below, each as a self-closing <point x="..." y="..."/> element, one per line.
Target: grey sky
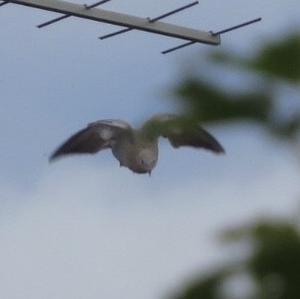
<point x="55" y="80"/>
<point x="83" y="228"/>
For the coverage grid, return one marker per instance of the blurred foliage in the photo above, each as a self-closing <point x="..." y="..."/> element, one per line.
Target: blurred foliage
<point x="210" y="104"/>
<point x="274" y="65"/>
<point x="273" y="264"/>
<point x="277" y="59"/>
<point x="281" y="60"/>
<point x="208" y="287"/>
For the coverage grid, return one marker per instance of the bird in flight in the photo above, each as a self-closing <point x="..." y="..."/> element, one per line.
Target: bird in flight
<point x="137" y="149"/>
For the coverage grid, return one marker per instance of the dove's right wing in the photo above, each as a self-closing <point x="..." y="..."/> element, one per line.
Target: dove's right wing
<point x="181" y="132"/>
<point x="95" y="137"/>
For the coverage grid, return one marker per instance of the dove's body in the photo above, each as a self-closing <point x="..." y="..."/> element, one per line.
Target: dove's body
<point x="136" y="153"/>
<point x="137" y="149"/>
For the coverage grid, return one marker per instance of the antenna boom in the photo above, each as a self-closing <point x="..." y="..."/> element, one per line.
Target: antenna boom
<point x="121" y="19"/>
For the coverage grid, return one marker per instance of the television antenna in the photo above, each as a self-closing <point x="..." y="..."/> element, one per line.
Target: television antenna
<point x="152" y="25"/>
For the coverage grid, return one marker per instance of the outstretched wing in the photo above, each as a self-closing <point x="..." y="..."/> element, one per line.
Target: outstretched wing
<point x="95" y="137"/>
<point x="181" y="132"/>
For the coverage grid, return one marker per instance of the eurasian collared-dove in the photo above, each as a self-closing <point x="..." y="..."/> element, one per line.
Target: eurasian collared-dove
<point x="137" y="149"/>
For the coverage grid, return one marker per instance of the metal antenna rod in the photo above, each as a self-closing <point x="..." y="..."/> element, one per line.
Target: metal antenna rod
<point x="95" y="4"/>
<point x="4" y="2"/>
<point x="115" y="33"/>
<point x="69" y="15"/>
<point x="53" y="21"/>
<point x="151" y="20"/>
<point x="236" y="27"/>
<point x="218" y="33"/>
<point x="178" y="47"/>
<point x="173" y="12"/>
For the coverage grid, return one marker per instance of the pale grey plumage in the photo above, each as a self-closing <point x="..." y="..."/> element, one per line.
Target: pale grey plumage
<point x="137" y="149"/>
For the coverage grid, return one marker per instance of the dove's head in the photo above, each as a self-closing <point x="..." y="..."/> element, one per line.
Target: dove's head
<point x="146" y="161"/>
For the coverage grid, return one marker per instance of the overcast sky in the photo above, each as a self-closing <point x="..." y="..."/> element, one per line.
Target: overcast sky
<point x="83" y="227"/>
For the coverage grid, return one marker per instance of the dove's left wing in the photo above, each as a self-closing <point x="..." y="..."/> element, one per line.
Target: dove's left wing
<point x="95" y="137"/>
<point x="181" y="132"/>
